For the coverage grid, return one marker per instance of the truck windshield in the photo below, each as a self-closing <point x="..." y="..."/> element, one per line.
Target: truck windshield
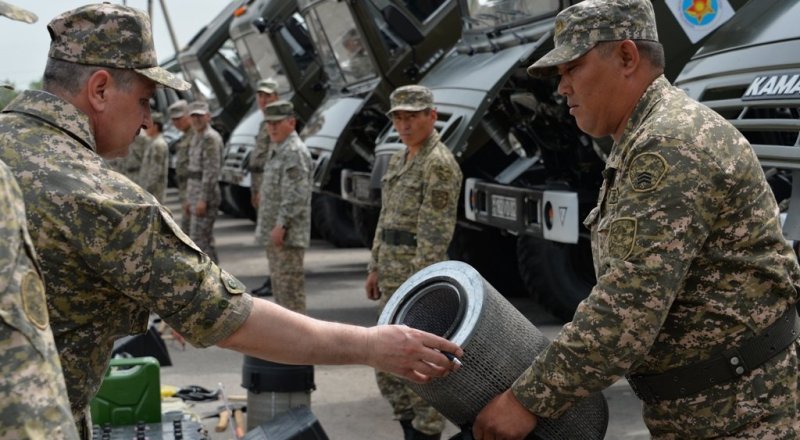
<point x="260" y="60"/>
<point x="343" y="52"/>
<point x="489" y="14"/>
<point x="196" y="74"/>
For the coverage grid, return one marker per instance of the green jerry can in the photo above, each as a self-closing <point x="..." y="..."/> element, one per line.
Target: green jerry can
<point x="130" y="393"/>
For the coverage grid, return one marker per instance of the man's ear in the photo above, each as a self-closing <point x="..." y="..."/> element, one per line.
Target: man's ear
<point x="629" y="56"/>
<point x="97" y="89"/>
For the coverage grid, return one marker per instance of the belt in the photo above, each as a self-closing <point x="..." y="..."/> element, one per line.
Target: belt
<point x="724" y="367"/>
<point x="194" y="175"/>
<point x="397" y="237"/>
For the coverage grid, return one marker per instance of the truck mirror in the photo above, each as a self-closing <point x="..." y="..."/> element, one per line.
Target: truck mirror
<point x="260" y="24"/>
<point x="401" y="25"/>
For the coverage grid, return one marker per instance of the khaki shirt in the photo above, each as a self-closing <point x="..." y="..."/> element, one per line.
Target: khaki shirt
<point x="690" y="260"/>
<point x="110" y="253"/>
<point x="204" y="167"/>
<point x="155" y="166"/>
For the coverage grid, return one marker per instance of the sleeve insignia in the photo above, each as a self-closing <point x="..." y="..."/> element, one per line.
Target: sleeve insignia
<point x="34" y="303"/>
<point x="621" y="237"/>
<point x="293" y="173"/>
<point x="439" y="198"/>
<point x="646" y="171"/>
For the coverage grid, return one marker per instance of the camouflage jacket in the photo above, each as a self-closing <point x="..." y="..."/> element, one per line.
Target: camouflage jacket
<point x="33" y="397"/>
<point x="131" y="164"/>
<point x="690" y="260"/>
<point x="155" y="165"/>
<point x="110" y="252"/>
<point x="259" y="156"/>
<point x="203" y="168"/>
<point x="421" y="197"/>
<point x="182" y="162"/>
<point x="285" y="194"/>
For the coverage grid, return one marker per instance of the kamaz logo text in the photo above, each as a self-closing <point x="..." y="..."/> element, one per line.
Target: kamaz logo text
<point x="773" y="86"/>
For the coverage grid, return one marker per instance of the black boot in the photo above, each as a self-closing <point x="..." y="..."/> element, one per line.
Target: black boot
<point x="265" y="289"/>
<point x="412" y="434"/>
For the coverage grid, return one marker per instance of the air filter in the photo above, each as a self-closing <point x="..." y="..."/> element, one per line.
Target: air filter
<point x="452" y="300"/>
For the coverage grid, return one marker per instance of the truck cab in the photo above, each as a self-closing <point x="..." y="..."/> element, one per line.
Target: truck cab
<point x="367" y="49"/>
<point x="272" y="40"/>
<point x="212" y="65"/>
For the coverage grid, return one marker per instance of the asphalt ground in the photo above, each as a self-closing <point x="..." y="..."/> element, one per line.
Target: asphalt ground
<point x="346" y="401"/>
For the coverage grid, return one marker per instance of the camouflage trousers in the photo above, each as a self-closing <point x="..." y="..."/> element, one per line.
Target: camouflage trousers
<point x="201" y="231"/>
<point x="288" y="279"/>
<point x="405" y="402"/>
<point x="764" y="404"/>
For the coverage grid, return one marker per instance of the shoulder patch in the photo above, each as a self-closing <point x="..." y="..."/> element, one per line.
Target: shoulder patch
<point x="621" y="237"/>
<point x="439" y="198"/>
<point x="646" y="171"/>
<point x="34" y="303"/>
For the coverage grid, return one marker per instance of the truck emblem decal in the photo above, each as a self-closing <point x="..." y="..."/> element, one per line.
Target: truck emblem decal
<point x="773" y="86"/>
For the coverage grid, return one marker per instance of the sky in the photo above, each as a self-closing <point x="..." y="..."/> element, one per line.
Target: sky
<point x="23" y="47"/>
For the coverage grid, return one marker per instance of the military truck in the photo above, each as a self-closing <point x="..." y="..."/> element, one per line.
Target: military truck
<point x="211" y="63"/>
<point x="749" y="72"/>
<point x="530" y="174"/>
<point x="367" y="48"/>
<point x="272" y="40"/>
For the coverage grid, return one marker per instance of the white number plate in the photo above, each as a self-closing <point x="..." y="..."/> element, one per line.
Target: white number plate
<point x="504" y="207"/>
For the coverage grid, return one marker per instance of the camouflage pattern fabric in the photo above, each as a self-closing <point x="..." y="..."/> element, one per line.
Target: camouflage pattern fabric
<point x="285" y="193"/>
<point x="205" y="157"/>
<point x="182" y="171"/>
<point x="286" y="273"/>
<point x="690" y="260"/>
<point x="33" y="397"/>
<point x="285" y="199"/>
<point x="580" y="27"/>
<point x="110" y="253"/>
<point x="411" y="98"/>
<point x="131" y="165"/>
<point x="259" y="156"/>
<point x="155" y="166"/>
<point x="419" y="196"/>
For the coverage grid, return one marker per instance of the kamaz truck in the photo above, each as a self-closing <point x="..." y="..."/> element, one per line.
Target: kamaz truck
<point x="367" y="49"/>
<point x="272" y="41"/>
<point x="749" y="72"/>
<point x="530" y="174"/>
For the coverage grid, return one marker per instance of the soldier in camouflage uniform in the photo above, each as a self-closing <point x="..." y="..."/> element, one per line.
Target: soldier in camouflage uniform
<point x="691" y="263"/>
<point x="418" y="215"/>
<point x="202" y="186"/>
<point x="155" y="161"/>
<point x="179" y="114"/>
<point x="266" y="93"/>
<point x="284" y="208"/>
<point x="33" y="397"/>
<point x="111" y="253"/>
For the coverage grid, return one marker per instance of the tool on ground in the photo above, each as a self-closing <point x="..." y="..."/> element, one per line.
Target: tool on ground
<point x="238" y="417"/>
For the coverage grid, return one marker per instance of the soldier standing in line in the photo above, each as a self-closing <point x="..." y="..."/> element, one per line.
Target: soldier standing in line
<point x="696" y="285"/>
<point x="33" y="397"/>
<point x="284" y="207"/>
<point x="202" y="187"/>
<point x="266" y="93"/>
<point x="418" y="215"/>
<point x="155" y="161"/>
<point x="111" y="254"/>
<point x="179" y="114"/>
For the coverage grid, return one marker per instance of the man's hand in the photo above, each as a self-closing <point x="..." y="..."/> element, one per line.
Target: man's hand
<point x="410" y="353"/>
<point x="254" y="199"/>
<point x="277" y="234"/>
<point x="371" y="286"/>
<point x="504" y="418"/>
<point x="200" y="208"/>
<point x="186" y="209"/>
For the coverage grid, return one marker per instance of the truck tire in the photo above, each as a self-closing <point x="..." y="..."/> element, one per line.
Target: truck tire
<point x="365" y="219"/>
<point x="558" y="276"/>
<point x="491" y="254"/>
<point x="333" y="219"/>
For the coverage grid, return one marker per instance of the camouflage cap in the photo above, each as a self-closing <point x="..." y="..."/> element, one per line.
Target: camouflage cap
<point x="268" y="86"/>
<point x="198" y="108"/>
<point x="157" y="117"/>
<point x="580" y="27"/>
<point x="178" y="109"/>
<point x="109" y="35"/>
<point x="278" y="110"/>
<point x="411" y="98"/>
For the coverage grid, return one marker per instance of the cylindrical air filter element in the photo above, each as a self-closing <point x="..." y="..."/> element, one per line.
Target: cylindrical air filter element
<point x="452" y="300"/>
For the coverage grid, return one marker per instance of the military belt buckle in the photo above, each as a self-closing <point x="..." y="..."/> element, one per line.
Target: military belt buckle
<point x="736" y="362"/>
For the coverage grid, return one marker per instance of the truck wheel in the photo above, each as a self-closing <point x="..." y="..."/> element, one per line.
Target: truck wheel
<point x="333" y="219"/>
<point x="491" y="254"/>
<point x="365" y="219"/>
<point x="558" y="276"/>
